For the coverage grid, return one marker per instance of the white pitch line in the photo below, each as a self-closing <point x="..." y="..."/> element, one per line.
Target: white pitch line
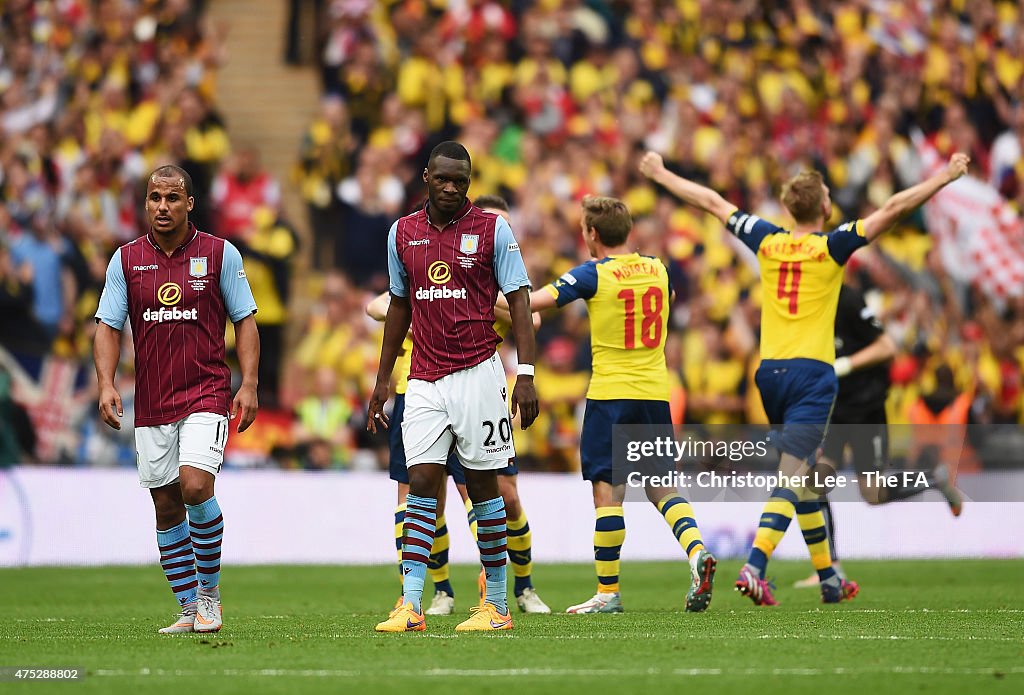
<point x="562" y="672"/>
<point x="610" y="637"/>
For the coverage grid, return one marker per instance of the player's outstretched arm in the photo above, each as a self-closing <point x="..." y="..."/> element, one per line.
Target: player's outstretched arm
<point x="542" y="299"/>
<point x="524" y="395"/>
<point x="653" y="167"/>
<point x="247" y="345"/>
<point x="377" y="309"/>
<point x="904" y="202"/>
<point x="396" y="324"/>
<point x="106" y="353"/>
<point x="881" y="350"/>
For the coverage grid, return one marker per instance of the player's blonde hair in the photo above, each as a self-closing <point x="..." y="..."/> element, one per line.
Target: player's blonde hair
<point x="803" y="195"/>
<point x="610" y="217"/>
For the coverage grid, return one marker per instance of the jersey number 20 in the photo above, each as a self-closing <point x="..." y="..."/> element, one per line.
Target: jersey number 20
<point x="651" y="303"/>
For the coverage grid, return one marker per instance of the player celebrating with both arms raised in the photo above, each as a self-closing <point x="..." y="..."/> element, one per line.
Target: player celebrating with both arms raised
<point x="447" y="263"/>
<point x="801" y="273"/>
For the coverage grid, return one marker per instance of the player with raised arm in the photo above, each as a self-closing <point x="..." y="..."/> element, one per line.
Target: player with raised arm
<point x="178" y="286"/>
<point x="628" y="298"/>
<point x="801" y="273"/>
<point x="447" y="263"/>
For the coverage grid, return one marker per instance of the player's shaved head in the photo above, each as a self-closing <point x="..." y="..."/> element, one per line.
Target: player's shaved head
<point x="610" y="217"/>
<point x="170" y="171"/>
<point x="450" y="149"/>
<point x="803" y="195"/>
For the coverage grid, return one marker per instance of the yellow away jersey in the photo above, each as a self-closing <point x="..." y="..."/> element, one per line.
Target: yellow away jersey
<point x="800" y="279"/>
<point x="628" y="301"/>
<point x="402" y="366"/>
<point x="404" y="362"/>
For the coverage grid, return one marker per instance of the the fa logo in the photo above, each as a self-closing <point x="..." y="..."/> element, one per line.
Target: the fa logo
<point x="470" y="243"/>
<point x="197" y="267"/>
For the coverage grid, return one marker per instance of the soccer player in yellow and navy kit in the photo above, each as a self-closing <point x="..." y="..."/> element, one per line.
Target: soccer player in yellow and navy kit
<point x="628" y="298"/>
<point x="801" y="273"/>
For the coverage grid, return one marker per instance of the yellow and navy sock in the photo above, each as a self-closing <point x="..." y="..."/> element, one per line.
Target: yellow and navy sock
<point x="417" y="538"/>
<point x="470" y="516"/>
<point x="206" y="526"/>
<point x="438" y="565"/>
<point x="399" y="525"/>
<point x="830" y="528"/>
<point x="178" y="562"/>
<point x="775" y="518"/>
<point x="520" y="542"/>
<point x="491" y="537"/>
<point x="812" y="523"/>
<point x="679" y="515"/>
<point x="609" y="535"/>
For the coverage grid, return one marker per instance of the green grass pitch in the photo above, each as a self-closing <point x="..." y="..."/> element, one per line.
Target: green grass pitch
<point x="930" y="627"/>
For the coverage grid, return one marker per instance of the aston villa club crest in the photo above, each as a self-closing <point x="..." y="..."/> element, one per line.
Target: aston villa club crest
<point x="470" y="243"/>
<point x="197" y="267"/>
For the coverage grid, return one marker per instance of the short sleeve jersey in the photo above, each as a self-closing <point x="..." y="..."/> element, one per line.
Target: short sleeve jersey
<point x="178" y="306"/>
<point x="452" y="277"/>
<point x="800" y="278"/>
<point x="628" y="301"/>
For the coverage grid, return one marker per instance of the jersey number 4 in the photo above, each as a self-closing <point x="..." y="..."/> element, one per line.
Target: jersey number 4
<point x="651" y="303"/>
<point x="789" y="274"/>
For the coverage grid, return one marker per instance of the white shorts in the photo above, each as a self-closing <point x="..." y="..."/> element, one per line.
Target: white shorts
<point x="468" y="408"/>
<point x="197" y="440"/>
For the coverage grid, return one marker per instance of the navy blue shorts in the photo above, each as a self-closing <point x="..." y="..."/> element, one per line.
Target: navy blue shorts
<point x="798" y="394"/>
<point x="596" y="437"/>
<point x="397" y="469"/>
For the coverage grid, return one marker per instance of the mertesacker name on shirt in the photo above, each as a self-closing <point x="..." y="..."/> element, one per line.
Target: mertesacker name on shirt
<point x="440" y="293"/>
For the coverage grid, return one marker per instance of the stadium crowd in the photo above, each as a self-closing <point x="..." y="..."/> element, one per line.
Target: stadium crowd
<point x="554" y="99"/>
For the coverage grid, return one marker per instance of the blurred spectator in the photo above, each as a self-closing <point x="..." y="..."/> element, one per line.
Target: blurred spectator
<point x="322" y="438"/>
<point x="324" y="161"/>
<point x="20" y="332"/>
<point x="240" y="188"/>
<point x="267" y="245"/>
<point x="372" y="199"/>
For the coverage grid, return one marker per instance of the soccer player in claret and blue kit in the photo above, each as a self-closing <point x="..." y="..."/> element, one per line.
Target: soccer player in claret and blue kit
<point x="447" y="262"/>
<point x="177" y="287"/>
<point x="801" y="272"/>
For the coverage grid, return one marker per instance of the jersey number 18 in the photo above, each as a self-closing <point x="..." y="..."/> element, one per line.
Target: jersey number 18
<point x="651" y="303"/>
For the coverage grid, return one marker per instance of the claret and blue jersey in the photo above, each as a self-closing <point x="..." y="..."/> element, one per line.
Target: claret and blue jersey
<point x="177" y="306"/>
<point x="452" y="277"/>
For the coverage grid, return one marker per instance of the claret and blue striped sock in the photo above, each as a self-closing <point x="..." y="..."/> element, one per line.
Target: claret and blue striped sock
<point x="178" y="562"/>
<point x="418" y="537"/>
<point x="206" y="526"/>
<point x="491" y="539"/>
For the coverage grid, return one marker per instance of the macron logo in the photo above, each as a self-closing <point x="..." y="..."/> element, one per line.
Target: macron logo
<point x="145" y="267"/>
<point x="433" y="293"/>
<point x="164" y="314"/>
<point x="419" y="242"/>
